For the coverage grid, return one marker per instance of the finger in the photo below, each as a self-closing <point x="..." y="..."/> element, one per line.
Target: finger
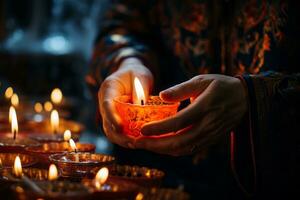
<point x="117" y="137"/>
<point x="185" y="90"/>
<point x="166" y="144"/>
<point x="185" y="142"/>
<point x="110" y="90"/>
<point x="178" y="92"/>
<point x="182" y="119"/>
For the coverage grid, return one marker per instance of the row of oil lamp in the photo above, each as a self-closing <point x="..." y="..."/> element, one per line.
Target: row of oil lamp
<point x="74" y="170"/>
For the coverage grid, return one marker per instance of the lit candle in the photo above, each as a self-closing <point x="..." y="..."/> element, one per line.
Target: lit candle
<point x="14" y="100"/>
<point x="138" y="109"/>
<point x="17" y="168"/>
<point x="101" y="177"/>
<point x="67" y="135"/>
<point x="52" y="173"/>
<point x="56" y="96"/>
<point x="14" y="122"/>
<point x="54" y="120"/>
<point x="74" y="148"/>
<point x="8" y="92"/>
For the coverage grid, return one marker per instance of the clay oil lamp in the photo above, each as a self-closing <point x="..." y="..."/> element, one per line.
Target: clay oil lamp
<point x="137" y="110"/>
<point x="47" y="149"/>
<point x="51" y="189"/>
<point x="78" y="164"/>
<point x="12" y="172"/>
<point x="105" y="187"/>
<point x="141" y="176"/>
<point x="54" y="136"/>
<point x="13" y="142"/>
<point x="46" y="126"/>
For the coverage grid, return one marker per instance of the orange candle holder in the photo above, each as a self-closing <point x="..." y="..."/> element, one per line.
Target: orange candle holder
<point x="134" y="116"/>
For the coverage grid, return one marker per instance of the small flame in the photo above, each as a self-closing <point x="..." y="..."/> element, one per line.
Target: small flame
<point x="139" y="196"/>
<point x="1" y="165"/>
<point x="38" y="107"/>
<point x="140" y="94"/>
<point x="101" y="177"/>
<point x="8" y="92"/>
<point x="12" y="111"/>
<point x="52" y="173"/>
<point x="54" y="120"/>
<point x="17" y="169"/>
<point x="67" y="135"/>
<point x="14" y="121"/>
<point x="73" y="145"/>
<point x="14" y="100"/>
<point x="56" y="96"/>
<point x="48" y="106"/>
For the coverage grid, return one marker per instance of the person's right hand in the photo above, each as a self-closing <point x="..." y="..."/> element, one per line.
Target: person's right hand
<point x="117" y="84"/>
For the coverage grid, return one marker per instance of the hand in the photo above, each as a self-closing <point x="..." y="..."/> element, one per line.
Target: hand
<point x="218" y="105"/>
<point x="117" y="84"/>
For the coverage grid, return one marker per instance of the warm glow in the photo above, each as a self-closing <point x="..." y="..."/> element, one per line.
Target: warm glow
<point x="139" y="196"/>
<point x="9" y="92"/>
<point x="73" y="145"/>
<point x="140" y="94"/>
<point x="14" y="100"/>
<point x="54" y="120"/>
<point x="48" y="106"/>
<point x="38" y="107"/>
<point x="14" y="121"/>
<point x="67" y="135"/>
<point x="52" y="173"/>
<point x="12" y="111"/>
<point x="17" y="169"/>
<point x="56" y="96"/>
<point x="101" y="177"/>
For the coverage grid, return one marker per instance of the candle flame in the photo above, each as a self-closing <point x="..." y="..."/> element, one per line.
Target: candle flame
<point x="8" y="92"/>
<point x="38" y="107"/>
<point x="56" y="96"/>
<point x="48" y="106"/>
<point x="52" y="173"/>
<point x="73" y="145"/>
<point x="54" y="120"/>
<point x="14" y="100"/>
<point x="101" y="177"/>
<point x="139" y="196"/>
<point x="140" y="94"/>
<point x="17" y="169"/>
<point x="14" y="121"/>
<point x="67" y="135"/>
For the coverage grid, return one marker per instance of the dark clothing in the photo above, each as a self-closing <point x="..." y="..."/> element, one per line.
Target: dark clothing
<point x="255" y="39"/>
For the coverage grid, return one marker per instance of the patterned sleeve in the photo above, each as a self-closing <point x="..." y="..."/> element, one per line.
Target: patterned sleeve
<point x="125" y="32"/>
<point x="273" y="142"/>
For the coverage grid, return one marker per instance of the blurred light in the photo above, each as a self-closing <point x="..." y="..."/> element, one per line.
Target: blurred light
<point x="48" y="106"/>
<point x="38" y="107"/>
<point x="14" y="100"/>
<point x="9" y="92"/>
<point x="57" y="44"/>
<point x="56" y="96"/>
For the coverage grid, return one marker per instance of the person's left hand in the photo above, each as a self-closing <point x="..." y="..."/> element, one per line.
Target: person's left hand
<point x="218" y="104"/>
